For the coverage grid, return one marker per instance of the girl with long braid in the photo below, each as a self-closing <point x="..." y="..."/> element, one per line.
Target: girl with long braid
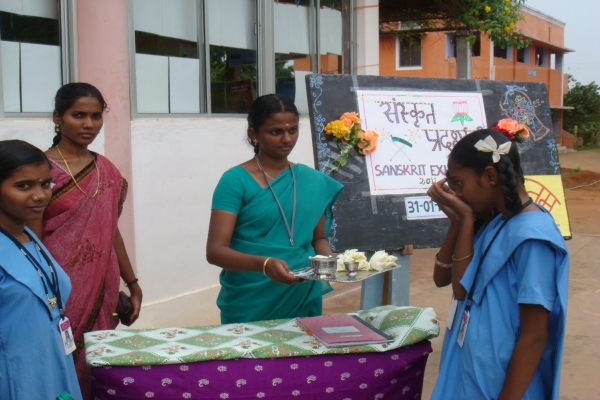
<point x="509" y="279"/>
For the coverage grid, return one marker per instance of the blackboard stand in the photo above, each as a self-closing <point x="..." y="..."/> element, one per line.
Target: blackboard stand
<point x="392" y="287"/>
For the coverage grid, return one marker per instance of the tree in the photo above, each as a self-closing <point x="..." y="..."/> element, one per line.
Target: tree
<point x="586" y="100"/>
<point x="495" y="18"/>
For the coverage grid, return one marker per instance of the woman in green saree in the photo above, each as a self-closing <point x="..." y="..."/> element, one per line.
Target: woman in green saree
<point x="268" y="216"/>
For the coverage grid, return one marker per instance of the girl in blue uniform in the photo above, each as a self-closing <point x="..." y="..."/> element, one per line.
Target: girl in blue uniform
<point x="510" y="279"/>
<point x="33" y="288"/>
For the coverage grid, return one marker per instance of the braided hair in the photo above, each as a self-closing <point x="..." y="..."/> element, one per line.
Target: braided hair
<point x="465" y="155"/>
<point x="263" y="107"/>
<point x="68" y="94"/>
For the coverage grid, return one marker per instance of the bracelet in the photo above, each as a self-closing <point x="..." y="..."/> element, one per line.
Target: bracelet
<point x="132" y="282"/>
<point x="265" y="266"/>
<point x="462" y="259"/>
<point x="441" y="264"/>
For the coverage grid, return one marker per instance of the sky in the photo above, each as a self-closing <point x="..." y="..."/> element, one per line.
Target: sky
<point x="582" y="34"/>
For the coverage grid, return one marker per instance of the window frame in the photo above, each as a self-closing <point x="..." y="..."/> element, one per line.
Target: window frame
<point x="67" y="23"/>
<point x="411" y="67"/>
<point x="264" y="28"/>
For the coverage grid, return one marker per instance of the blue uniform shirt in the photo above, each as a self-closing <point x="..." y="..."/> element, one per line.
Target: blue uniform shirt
<point x="33" y="364"/>
<point x="526" y="264"/>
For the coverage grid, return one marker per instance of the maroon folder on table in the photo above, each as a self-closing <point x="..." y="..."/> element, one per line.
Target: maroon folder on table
<point x="343" y="330"/>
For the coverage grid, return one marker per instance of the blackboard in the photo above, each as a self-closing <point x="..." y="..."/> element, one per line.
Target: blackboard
<point x="372" y="223"/>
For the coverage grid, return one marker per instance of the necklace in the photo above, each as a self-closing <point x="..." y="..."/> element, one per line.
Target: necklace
<point x="52" y="282"/>
<point x="262" y="169"/>
<point x="73" y="177"/>
<point x="290" y="230"/>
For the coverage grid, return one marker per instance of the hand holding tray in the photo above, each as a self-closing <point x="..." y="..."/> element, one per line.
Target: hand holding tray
<point x="341" y="276"/>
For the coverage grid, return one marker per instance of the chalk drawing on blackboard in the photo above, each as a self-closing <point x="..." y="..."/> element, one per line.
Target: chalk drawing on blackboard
<point x="518" y="106"/>
<point x="553" y="155"/>
<point x="541" y="194"/>
<point x="461" y="112"/>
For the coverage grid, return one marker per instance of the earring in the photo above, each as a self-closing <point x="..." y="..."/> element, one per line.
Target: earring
<point x="255" y="142"/>
<point x="57" y="128"/>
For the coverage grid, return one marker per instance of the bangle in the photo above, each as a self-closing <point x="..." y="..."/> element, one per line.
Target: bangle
<point x="265" y="266"/>
<point x="462" y="259"/>
<point x="441" y="264"/>
<point x="132" y="282"/>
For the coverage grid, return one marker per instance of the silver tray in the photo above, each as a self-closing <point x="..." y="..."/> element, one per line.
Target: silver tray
<point x="342" y="276"/>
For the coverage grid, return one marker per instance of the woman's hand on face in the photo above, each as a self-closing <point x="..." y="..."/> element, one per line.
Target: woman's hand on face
<point x="433" y="193"/>
<point x="279" y="272"/>
<point x="452" y="205"/>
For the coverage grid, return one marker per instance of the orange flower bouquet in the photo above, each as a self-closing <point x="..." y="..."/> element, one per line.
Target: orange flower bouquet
<point x="347" y="130"/>
<point x="512" y="129"/>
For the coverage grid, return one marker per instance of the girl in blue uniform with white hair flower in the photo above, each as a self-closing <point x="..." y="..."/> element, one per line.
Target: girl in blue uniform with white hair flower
<point x="510" y="280"/>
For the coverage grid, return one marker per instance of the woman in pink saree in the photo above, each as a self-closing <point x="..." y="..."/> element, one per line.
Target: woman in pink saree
<point x="80" y="223"/>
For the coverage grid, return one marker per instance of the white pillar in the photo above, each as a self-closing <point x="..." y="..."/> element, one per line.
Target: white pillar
<point x="463" y="56"/>
<point x="367" y="37"/>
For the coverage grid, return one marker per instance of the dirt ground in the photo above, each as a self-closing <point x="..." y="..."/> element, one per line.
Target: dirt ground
<point x="581" y="356"/>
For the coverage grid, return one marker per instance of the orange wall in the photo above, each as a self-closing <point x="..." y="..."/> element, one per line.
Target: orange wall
<point x="542" y="29"/>
<point x="436" y="65"/>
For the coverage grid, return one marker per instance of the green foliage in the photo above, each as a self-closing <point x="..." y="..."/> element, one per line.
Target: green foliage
<point x="586" y="115"/>
<point x="589" y="134"/>
<point x="495" y="18"/>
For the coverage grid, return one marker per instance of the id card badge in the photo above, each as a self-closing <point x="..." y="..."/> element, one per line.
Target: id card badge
<point x="451" y="313"/>
<point x="463" y="328"/>
<point x="64" y="325"/>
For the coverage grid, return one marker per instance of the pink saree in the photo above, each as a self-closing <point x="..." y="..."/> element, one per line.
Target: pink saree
<point x="79" y="232"/>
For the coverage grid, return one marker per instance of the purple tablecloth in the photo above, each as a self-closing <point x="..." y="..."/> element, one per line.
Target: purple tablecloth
<point x="396" y="374"/>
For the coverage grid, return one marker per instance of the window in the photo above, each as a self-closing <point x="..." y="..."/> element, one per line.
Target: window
<point x="167" y="56"/>
<point x="409" y="52"/>
<point x="246" y="54"/>
<point x="505" y="53"/>
<point x="295" y="44"/>
<point x="523" y="55"/>
<point x="32" y="62"/>
<point x="451" y="45"/>
<point x="541" y="56"/>
<point x="233" y="47"/>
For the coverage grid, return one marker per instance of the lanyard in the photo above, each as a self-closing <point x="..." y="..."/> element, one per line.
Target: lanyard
<point x="287" y="225"/>
<point x="40" y="270"/>
<point x="470" y="297"/>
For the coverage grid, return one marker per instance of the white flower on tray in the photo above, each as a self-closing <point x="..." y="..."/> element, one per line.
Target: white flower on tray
<point x="382" y="260"/>
<point x="353" y="255"/>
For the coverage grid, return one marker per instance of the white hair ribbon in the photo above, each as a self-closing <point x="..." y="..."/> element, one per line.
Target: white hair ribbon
<point x="489" y="145"/>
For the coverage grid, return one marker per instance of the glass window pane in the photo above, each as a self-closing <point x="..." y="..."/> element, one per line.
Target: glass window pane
<point x="334" y="37"/>
<point x="167" y="63"/>
<point x="293" y="56"/>
<point x="31" y="57"/>
<point x="233" y="55"/>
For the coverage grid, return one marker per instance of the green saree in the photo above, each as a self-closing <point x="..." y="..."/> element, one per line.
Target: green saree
<point x="260" y="230"/>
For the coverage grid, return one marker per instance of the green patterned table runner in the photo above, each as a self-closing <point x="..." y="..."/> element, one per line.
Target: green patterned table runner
<point x="262" y="339"/>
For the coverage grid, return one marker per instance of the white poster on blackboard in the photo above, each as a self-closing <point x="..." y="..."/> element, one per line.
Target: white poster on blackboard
<point x="416" y="130"/>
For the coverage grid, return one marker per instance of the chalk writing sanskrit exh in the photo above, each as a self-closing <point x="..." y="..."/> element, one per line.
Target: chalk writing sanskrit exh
<point x="403" y="109"/>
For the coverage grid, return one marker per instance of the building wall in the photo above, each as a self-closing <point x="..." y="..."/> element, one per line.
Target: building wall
<point x="435" y="64"/>
<point x="172" y="165"/>
<point x="177" y="163"/>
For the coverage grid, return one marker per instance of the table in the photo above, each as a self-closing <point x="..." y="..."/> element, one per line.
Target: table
<point x="397" y="374"/>
<point x="264" y="359"/>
